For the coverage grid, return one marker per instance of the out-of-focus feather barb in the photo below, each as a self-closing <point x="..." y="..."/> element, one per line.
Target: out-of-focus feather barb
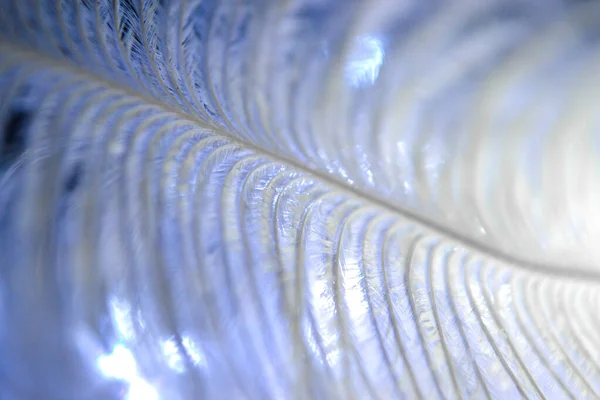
<point x="299" y="199"/>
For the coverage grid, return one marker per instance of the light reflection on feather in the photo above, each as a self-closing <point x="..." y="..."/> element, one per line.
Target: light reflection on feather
<point x="363" y="66"/>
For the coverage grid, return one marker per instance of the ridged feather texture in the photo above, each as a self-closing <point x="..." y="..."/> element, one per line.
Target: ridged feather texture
<point x="299" y="199"/>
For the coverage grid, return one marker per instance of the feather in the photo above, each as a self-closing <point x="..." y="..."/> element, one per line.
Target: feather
<point x="298" y="199"/>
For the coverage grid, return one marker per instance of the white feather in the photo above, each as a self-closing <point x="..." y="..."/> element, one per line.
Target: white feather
<point x="300" y="199"/>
